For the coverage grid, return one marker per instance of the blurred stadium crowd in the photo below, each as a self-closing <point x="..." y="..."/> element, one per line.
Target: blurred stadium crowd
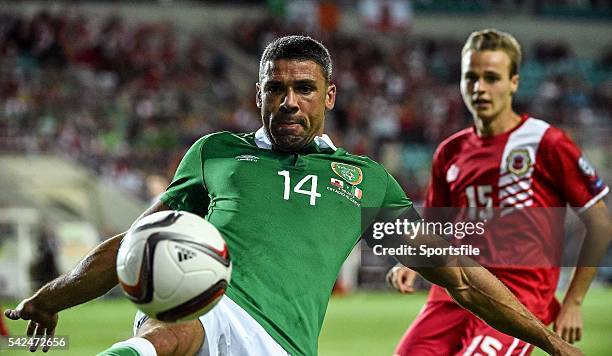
<point x="126" y="100"/>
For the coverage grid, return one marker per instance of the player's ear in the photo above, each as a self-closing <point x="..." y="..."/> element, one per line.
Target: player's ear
<point x="330" y="97"/>
<point x="258" y="96"/>
<point x="514" y="83"/>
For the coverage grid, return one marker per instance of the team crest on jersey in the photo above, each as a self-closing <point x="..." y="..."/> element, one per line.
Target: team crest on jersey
<point x="518" y="161"/>
<point x="351" y="174"/>
<point x="249" y="158"/>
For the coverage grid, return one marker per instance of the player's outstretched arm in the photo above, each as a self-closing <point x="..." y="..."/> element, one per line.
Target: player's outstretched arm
<point x="91" y="278"/>
<point x="477" y="290"/>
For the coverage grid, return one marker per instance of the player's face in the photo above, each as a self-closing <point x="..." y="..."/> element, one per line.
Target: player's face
<point x="293" y="96"/>
<point x="486" y="85"/>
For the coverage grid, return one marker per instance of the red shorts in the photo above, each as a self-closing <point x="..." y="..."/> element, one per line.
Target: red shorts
<point x="445" y="329"/>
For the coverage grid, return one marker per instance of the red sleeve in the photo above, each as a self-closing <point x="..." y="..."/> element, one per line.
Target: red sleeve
<point x="573" y="176"/>
<point x="438" y="194"/>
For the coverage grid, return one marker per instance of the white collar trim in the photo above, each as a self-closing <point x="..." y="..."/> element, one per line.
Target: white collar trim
<point x="262" y="140"/>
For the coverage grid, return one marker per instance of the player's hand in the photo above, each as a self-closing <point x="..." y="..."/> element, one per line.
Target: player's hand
<point x="402" y="279"/>
<point x="568" y="324"/>
<point x="42" y="322"/>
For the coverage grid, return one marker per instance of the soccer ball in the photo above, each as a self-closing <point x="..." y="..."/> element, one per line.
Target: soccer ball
<point x="173" y="265"/>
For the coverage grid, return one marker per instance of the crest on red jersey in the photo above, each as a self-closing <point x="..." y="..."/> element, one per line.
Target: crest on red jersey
<point x="518" y="161"/>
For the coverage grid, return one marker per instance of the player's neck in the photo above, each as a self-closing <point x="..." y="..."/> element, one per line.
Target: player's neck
<point x="502" y="123"/>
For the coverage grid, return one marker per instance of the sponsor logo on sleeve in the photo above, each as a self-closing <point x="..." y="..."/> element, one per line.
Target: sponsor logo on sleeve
<point x="586" y="167"/>
<point x="595" y="183"/>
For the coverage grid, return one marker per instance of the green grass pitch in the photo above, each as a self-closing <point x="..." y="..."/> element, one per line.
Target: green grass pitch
<point x="359" y="324"/>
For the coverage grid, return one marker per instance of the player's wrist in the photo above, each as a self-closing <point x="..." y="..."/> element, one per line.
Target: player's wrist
<point x="40" y="302"/>
<point x="392" y="275"/>
<point x="573" y="301"/>
<point x="555" y="343"/>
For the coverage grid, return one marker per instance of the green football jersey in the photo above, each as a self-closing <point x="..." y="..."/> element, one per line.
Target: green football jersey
<point x="289" y="220"/>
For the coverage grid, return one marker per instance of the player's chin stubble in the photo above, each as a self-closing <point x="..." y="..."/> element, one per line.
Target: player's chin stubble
<point x="289" y="143"/>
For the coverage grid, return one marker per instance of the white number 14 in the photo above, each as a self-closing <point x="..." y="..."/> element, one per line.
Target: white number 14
<point x="298" y="187"/>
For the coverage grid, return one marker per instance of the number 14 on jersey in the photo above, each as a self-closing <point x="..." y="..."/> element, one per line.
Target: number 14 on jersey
<point x="298" y="187"/>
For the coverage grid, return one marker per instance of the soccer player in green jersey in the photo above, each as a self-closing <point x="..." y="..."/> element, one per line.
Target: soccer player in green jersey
<point x="289" y="204"/>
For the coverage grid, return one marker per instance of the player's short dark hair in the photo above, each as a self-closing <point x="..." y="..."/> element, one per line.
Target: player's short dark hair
<point x="301" y="48"/>
<point x="494" y="40"/>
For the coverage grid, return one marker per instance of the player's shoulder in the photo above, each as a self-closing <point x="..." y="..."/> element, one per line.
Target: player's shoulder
<point x="359" y="160"/>
<point x="551" y="134"/>
<point x="453" y="143"/>
<point x="368" y="165"/>
<point x="216" y="139"/>
<point x="457" y="138"/>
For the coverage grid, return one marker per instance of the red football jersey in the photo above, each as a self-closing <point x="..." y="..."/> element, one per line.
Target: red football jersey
<point x="534" y="165"/>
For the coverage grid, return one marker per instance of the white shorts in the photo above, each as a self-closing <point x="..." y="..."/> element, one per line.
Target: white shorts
<point x="231" y="331"/>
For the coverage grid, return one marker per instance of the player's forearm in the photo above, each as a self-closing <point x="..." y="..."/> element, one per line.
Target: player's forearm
<point x="494" y="303"/>
<point x="594" y="247"/>
<point x="478" y="290"/>
<point x="95" y="275"/>
<point x="91" y="278"/>
<point x="583" y="276"/>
